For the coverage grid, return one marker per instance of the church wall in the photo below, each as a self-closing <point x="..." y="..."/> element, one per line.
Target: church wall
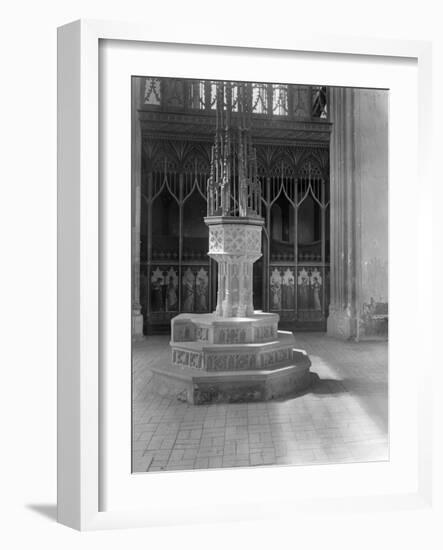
<point x="371" y="178"/>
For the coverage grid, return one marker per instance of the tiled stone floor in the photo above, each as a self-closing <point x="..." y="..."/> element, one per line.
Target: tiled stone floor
<point x="343" y="417"/>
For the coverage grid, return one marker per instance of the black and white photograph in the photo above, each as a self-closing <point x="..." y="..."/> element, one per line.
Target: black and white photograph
<point x="259" y="274"/>
<point x="222" y="263"/>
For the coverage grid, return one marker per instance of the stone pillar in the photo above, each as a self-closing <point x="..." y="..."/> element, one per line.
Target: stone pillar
<point x="235" y="244"/>
<point x="371" y="138"/>
<point x="227" y="301"/>
<point x="359" y="210"/>
<point x="220" y="289"/>
<point x="342" y="312"/>
<point x="137" y="317"/>
<point x="242" y="289"/>
<point x="249" y="270"/>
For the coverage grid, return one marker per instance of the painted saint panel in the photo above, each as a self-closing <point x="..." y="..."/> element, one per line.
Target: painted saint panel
<point x="188" y="290"/>
<point x="171" y="290"/>
<point x="282" y="288"/>
<point x="316" y="281"/>
<point x="282" y="293"/>
<point x="202" y="285"/>
<point x="288" y="288"/>
<point x="275" y="289"/>
<point x="309" y="291"/>
<point x="195" y="289"/>
<point x="164" y="289"/>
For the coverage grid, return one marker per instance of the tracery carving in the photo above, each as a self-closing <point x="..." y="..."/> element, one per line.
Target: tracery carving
<point x="176" y="167"/>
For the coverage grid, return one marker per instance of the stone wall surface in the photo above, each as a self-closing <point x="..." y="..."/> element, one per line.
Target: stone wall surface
<point x="359" y="213"/>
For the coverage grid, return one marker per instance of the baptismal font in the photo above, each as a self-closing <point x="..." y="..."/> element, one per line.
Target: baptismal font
<point x="234" y="354"/>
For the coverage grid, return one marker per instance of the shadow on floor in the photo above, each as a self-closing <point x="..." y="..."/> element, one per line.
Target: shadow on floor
<point x="365" y="392"/>
<point x="345" y="368"/>
<point x="326" y="386"/>
<point x="49" y="511"/>
<point x="371" y="395"/>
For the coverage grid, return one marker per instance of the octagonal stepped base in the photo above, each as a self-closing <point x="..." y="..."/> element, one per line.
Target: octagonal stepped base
<point x="217" y="359"/>
<point x="233" y="357"/>
<point x="214" y="329"/>
<point x="197" y="386"/>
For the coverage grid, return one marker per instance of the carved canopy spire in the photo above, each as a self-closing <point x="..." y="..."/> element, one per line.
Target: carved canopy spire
<point x="233" y="186"/>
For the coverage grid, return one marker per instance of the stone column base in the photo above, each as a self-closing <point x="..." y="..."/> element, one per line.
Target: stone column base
<point x="340" y="324"/>
<point x="137" y="326"/>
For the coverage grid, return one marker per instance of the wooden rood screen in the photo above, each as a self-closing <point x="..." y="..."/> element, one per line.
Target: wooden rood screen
<point x="290" y="132"/>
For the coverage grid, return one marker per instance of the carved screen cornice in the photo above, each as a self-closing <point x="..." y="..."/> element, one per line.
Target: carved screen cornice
<point x="200" y="127"/>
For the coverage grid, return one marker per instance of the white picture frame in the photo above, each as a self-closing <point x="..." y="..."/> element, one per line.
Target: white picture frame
<point x="80" y="361"/>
